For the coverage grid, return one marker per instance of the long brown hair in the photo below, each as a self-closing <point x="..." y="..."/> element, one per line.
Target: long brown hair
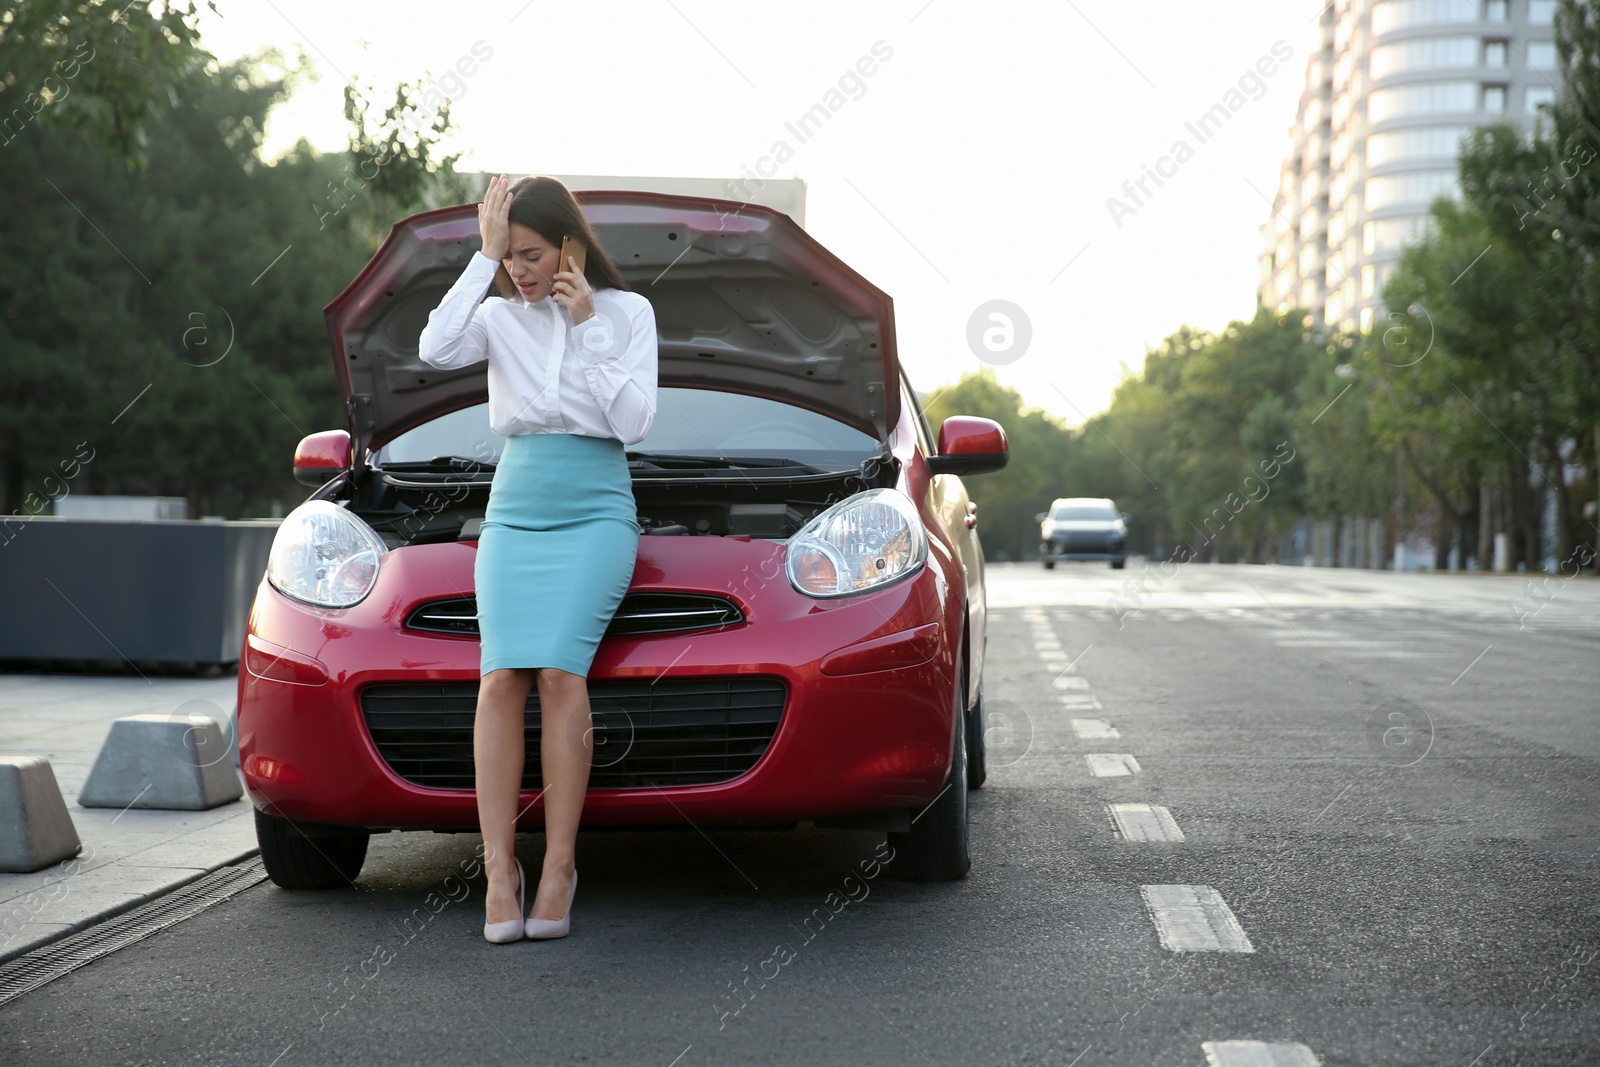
<point x="546" y="206"/>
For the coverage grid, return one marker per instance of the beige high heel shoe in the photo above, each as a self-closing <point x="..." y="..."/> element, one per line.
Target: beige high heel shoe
<point x="511" y="929"/>
<point x="546" y="929"/>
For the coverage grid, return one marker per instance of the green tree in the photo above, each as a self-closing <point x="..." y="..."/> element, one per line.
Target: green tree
<point x="1232" y="408"/>
<point x="171" y="316"/>
<point x="1498" y="392"/>
<point x="1347" y="469"/>
<point x="104" y="68"/>
<point x="396" y="163"/>
<point x="1008" y="499"/>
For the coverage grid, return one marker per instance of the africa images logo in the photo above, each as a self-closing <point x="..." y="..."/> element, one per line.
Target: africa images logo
<point x="1206" y="126"/>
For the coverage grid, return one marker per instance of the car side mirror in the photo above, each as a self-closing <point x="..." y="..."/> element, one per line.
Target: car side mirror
<point x="320" y="456"/>
<point x="1126" y="517"/>
<point x="970" y="445"/>
<point x="1039" y="517"/>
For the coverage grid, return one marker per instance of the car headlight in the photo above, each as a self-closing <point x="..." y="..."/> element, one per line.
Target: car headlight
<point x="867" y="541"/>
<point x="325" y="556"/>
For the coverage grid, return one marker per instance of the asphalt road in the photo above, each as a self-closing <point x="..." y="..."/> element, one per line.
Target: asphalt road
<point x="1385" y="787"/>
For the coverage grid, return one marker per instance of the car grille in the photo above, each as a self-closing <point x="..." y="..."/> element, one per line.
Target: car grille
<point x="1087" y="541"/>
<point x="647" y="733"/>
<point x="639" y="613"/>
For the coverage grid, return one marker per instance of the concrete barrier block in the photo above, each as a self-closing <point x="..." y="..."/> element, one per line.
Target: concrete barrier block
<point x="36" y="829"/>
<point x="163" y="761"/>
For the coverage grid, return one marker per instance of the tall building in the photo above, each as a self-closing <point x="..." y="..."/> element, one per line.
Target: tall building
<point x="1390" y="90"/>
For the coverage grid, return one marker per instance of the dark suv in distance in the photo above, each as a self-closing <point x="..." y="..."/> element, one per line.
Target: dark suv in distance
<point x="1083" y="528"/>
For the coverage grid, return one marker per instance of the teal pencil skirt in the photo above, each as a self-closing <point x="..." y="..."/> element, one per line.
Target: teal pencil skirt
<point x="556" y="551"/>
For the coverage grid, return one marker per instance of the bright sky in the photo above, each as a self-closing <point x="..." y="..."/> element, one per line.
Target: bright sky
<point x="973" y="164"/>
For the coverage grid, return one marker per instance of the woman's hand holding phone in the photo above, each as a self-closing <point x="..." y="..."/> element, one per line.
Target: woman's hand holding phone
<point x="494" y="219"/>
<point x="571" y="287"/>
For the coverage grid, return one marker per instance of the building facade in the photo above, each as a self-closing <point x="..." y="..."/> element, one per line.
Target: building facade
<point x="1390" y="90"/>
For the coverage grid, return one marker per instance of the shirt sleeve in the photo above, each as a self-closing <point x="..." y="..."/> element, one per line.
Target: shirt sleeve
<point x="455" y="335"/>
<point x="619" y="360"/>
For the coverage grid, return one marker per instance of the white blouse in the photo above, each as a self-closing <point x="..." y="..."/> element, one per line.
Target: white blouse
<point x="608" y="388"/>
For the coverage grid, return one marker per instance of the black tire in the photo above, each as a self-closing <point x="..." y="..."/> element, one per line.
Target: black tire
<point x="977" y="764"/>
<point x="295" y="860"/>
<point x="935" y="848"/>
<point x="1049" y="564"/>
<point x="1118" y="564"/>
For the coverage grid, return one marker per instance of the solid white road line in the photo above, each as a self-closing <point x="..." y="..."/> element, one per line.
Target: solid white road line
<point x="1194" y="918"/>
<point x="1094" y="729"/>
<point x="1258" y="1054"/>
<point x="1144" y="822"/>
<point x="1111" y="764"/>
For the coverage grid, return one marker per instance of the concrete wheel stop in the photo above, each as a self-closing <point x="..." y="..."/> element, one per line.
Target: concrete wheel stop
<point x="36" y="829"/>
<point x="179" y="762"/>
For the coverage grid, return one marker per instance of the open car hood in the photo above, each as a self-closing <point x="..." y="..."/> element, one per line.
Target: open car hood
<point x="745" y="301"/>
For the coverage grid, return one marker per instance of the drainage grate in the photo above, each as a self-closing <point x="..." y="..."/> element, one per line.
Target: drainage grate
<point x="47" y="963"/>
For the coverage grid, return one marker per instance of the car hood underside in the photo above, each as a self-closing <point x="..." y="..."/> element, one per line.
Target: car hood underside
<point x="745" y="301"/>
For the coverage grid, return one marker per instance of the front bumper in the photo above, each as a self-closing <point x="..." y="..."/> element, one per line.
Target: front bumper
<point x="1084" y="547"/>
<point x="865" y="725"/>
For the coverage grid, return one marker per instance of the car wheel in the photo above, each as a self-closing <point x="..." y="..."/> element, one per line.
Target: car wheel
<point x="296" y="861"/>
<point x="1044" y="556"/>
<point x="977" y="769"/>
<point x="1118" y="564"/>
<point x="935" y="848"/>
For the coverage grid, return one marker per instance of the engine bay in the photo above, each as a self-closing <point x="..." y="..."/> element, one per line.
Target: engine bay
<point x="412" y="507"/>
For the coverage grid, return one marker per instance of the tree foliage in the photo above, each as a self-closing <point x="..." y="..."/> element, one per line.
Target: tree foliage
<point x="104" y="68"/>
<point x="1181" y="449"/>
<point x="170" y="314"/>
<point x="1007" y="499"/>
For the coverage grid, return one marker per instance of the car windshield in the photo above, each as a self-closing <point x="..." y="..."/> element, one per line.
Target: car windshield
<point x="1084" y="513"/>
<point x="688" y="422"/>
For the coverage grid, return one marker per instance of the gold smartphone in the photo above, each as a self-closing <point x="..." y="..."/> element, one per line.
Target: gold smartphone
<point x="571" y="246"/>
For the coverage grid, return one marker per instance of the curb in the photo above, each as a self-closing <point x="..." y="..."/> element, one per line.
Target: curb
<point x="232" y="859"/>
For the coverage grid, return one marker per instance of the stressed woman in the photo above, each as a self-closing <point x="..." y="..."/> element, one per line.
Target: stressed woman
<point x="572" y="381"/>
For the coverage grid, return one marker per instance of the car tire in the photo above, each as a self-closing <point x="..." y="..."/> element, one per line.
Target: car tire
<point x="296" y="861"/>
<point x="935" y="848"/>
<point x="1049" y="564"/>
<point x="1118" y="564"/>
<point x="977" y="766"/>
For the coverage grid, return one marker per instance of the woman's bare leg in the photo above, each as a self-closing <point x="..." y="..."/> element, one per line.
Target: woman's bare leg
<point x="497" y="744"/>
<point x="566" y="751"/>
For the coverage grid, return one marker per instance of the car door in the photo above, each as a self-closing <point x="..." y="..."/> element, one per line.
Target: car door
<point x="957" y="513"/>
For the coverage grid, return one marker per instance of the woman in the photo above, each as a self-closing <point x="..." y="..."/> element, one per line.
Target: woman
<point x="572" y="380"/>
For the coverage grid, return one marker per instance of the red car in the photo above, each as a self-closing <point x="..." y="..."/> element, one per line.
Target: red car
<point x="803" y="638"/>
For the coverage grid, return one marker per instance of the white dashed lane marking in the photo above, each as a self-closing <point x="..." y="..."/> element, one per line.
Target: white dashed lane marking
<point x="1258" y="1054"/>
<point x="1194" y="918"/>
<point x="1188" y="918"/>
<point x="1111" y="764"/>
<point x="1144" y="822"/>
